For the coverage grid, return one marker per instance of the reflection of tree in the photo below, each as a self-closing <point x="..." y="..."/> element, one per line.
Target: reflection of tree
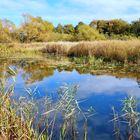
<point x="33" y="70"/>
<point x="4" y="64"/>
<point x="138" y="81"/>
<point x="36" y="71"/>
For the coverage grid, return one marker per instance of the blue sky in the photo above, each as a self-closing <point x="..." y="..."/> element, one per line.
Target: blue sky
<point x="70" y="11"/>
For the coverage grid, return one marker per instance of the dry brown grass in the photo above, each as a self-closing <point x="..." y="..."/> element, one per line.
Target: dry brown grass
<point x="109" y="50"/>
<point x="122" y="51"/>
<point x="11" y="126"/>
<point x="57" y="49"/>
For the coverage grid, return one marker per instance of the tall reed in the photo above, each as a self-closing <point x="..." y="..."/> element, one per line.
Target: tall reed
<point x="121" y="51"/>
<point x="127" y="124"/>
<point x="23" y="119"/>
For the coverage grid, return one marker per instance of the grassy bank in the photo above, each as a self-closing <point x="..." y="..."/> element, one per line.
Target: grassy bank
<point x="115" y="52"/>
<point x="120" y="51"/>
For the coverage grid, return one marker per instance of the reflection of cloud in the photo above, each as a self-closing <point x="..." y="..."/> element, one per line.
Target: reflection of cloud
<point x="89" y="84"/>
<point x="108" y="85"/>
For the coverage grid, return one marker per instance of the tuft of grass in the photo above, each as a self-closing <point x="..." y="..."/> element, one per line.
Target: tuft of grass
<point x="22" y="120"/>
<point x="110" y="50"/>
<point x="56" y="49"/>
<point x="11" y="126"/>
<point x="11" y="51"/>
<point x="120" y="51"/>
<point x="127" y="124"/>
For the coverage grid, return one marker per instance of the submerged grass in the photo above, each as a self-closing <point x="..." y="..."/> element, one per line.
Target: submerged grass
<point x="11" y="126"/>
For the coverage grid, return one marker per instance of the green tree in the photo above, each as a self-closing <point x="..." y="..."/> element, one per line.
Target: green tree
<point x="69" y="29"/>
<point x="77" y="26"/>
<point x="135" y="27"/>
<point x="84" y="32"/>
<point x="116" y="26"/>
<point x="7" y="31"/>
<point x="35" y="28"/>
<point x="119" y="26"/>
<point x="59" y="29"/>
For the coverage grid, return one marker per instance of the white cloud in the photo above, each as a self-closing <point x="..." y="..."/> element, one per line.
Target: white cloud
<point x="108" y="9"/>
<point x="72" y="10"/>
<point x="15" y="5"/>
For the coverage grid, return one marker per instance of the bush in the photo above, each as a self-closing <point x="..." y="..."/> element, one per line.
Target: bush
<point x="84" y="32"/>
<point x="121" y="37"/>
<point x="58" y="37"/>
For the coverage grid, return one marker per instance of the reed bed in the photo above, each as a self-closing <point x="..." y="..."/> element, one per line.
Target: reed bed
<point x="23" y="119"/>
<point x="110" y="50"/>
<point x="56" y="49"/>
<point x="122" y="51"/>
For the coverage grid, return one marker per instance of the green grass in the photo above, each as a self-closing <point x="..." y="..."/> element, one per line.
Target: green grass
<point x="9" y="51"/>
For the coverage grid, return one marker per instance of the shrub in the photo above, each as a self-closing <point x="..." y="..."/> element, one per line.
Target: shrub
<point x="84" y="32"/>
<point x="52" y="36"/>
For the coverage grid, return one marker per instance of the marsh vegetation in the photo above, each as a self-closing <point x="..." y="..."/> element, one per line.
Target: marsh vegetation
<point x="50" y="118"/>
<point x="22" y="119"/>
<point x="97" y="55"/>
<point x="101" y="64"/>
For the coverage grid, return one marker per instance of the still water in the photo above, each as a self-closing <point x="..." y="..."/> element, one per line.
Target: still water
<point x="99" y="91"/>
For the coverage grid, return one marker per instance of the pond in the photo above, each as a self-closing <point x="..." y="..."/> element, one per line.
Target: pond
<point x="101" y="92"/>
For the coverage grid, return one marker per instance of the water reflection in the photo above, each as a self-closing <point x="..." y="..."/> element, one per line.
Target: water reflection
<point x="109" y="85"/>
<point x="39" y="69"/>
<point x="100" y="91"/>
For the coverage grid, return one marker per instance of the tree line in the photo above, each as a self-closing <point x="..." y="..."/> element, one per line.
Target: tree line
<point x="35" y="29"/>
